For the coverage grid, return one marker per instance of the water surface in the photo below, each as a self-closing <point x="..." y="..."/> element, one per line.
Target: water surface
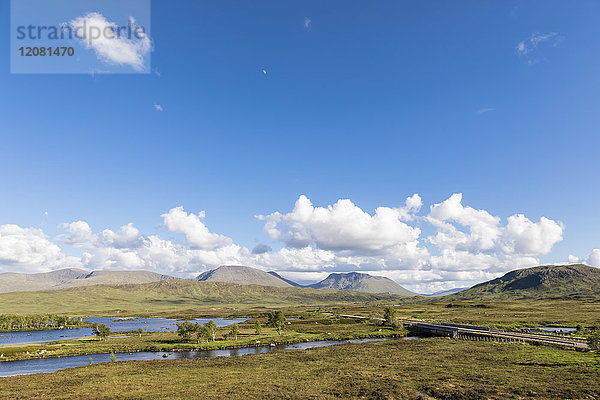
<point x="26" y="367"/>
<point x="553" y="329"/>
<point x="115" y="324"/>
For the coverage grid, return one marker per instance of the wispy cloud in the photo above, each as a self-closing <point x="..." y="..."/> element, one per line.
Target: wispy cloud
<point x="527" y="46"/>
<point x="307" y="24"/>
<point x="158" y="107"/>
<point x="485" y="110"/>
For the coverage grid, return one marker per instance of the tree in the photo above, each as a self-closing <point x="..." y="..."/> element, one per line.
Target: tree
<point x="112" y="357"/>
<point x="185" y="329"/>
<point x="276" y="320"/>
<point x="234" y="331"/>
<point x="257" y="327"/>
<point x="593" y="340"/>
<point x="389" y="316"/>
<point x="202" y="332"/>
<point x="211" y="329"/>
<point x="140" y="331"/>
<point x="101" y="330"/>
<point x="91" y="361"/>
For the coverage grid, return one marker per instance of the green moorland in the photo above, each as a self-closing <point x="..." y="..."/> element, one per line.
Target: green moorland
<point x="212" y="299"/>
<point x="500" y="314"/>
<point x="574" y="281"/>
<point x="176" y="297"/>
<point x="397" y="369"/>
<point x="327" y="323"/>
<point x="428" y="368"/>
<point x="311" y="326"/>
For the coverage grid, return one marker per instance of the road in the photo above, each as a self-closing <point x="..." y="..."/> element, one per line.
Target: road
<point x="484" y="331"/>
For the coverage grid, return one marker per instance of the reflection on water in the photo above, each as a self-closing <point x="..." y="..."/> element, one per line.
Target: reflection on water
<point x="552" y="329"/>
<point x="115" y="324"/>
<point x="12" y="368"/>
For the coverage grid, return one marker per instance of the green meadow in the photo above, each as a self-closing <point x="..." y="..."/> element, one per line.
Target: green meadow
<point x="176" y="296"/>
<point x="396" y="369"/>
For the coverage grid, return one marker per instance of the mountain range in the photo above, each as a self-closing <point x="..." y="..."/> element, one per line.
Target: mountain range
<point x="349" y="281"/>
<point x="73" y="277"/>
<point x="243" y="276"/>
<point x="574" y="281"/>
<point x="362" y="283"/>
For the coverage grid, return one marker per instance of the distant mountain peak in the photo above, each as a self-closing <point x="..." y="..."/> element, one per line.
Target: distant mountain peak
<point x="361" y="282"/>
<point x="72" y="277"/>
<point x="242" y="275"/>
<point x="575" y="280"/>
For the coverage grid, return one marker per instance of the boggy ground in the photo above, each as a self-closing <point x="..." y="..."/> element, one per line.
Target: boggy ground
<point x="439" y="368"/>
<point x="501" y="314"/>
<point x="311" y="327"/>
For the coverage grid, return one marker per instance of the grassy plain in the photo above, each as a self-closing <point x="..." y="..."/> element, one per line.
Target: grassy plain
<point x="176" y="297"/>
<point x="402" y="369"/>
<point x="500" y="314"/>
<point x="439" y="368"/>
<point x="213" y="299"/>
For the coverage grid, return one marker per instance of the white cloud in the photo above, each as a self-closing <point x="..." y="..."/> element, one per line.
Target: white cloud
<point x="79" y="233"/>
<point x="29" y="250"/>
<point x="524" y="237"/>
<point x="95" y="32"/>
<point x="485" y="110"/>
<point x="470" y="239"/>
<point x="484" y="228"/>
<point x="158" y="107"/>
<point x="194" y="230"/>
<point x="343" y="226"/>
<point x="594" y="258"/>
<point x="465" y="245"/>
<point x="529" y="45"/>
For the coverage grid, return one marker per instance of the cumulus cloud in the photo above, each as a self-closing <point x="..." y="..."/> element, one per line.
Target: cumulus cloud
<point x="471" y="239"/>
<point x="158" y="107"/>
<point x="343" y="226"/>
<point x="30" y="250"/>
<point x="524" y="237"/>
<point x="79" y="232"/>
<point x="483" y="226"/>
<point x="194" y="230"/>
<point x="594" y="258"/>
<point x="464" y="245"/>
<point x="110" y="43"/>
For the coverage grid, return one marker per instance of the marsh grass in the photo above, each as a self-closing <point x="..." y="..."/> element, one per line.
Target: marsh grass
<point x="441" y="368"/>
<point x="306" y="330"/>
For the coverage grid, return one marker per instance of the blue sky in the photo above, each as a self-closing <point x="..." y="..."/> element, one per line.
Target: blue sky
<point x="367" y="102"/>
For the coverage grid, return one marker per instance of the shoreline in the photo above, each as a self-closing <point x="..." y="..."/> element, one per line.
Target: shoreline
<point x="225" y="347"/>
